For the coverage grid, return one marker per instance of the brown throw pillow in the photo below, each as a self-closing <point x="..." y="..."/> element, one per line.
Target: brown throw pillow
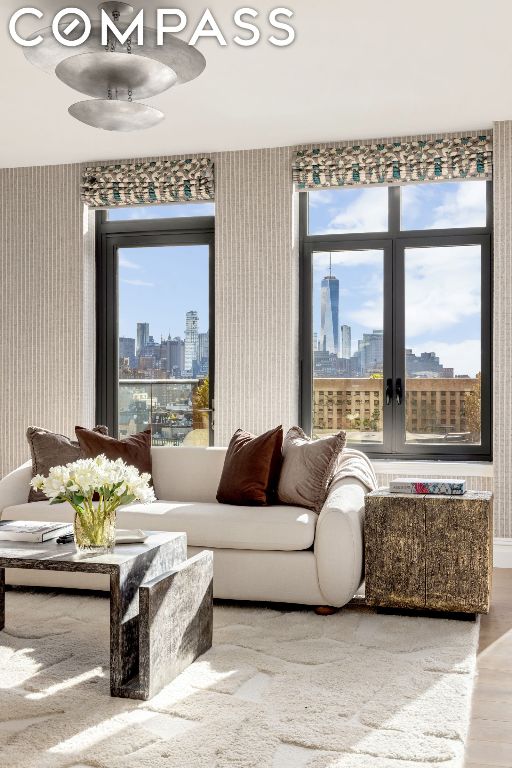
<point x="49" y="449"/>
<point x="135" y="450"/>
<point x="308" y="468"/>
<point x="251" y="468"/>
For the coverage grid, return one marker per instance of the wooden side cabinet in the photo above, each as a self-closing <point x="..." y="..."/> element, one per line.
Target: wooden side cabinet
<point x="429" y="552"/>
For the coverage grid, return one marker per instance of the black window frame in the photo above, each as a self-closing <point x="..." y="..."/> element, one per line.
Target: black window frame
<point x="393" y="242"/>
<point x="139" y="233"/>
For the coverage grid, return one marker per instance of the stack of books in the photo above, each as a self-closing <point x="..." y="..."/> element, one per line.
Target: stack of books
<point x="32" y="531"/>
<point x="423" y="486"/>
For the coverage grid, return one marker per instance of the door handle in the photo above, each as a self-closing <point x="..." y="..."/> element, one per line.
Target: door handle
<point x="399" y="391"/>
<point x="389" y="391"/>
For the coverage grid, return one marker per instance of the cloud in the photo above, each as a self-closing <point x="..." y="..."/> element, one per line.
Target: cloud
<point x="321" y="198"/>
<point x="465" y="208"/>
<point x="127" y="264"/>
<point x="370" y="315"/>
<point x="367" y="213"/>
<point x="463" y="356"/>
<point x="169" y="211"/>
<point x="349" y="210"/>
<point x="141" y="283"/>
<point x="441" y="205"/>
<point x="442" y="288"/>
<point x="442" y="293"/>
<point x="348" y="259"/>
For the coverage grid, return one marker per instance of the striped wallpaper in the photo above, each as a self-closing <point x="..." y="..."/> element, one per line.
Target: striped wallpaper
<point x="256" y="331"/>
<point x="47" y="303"/>
<point x="46" y="307"/>
<point x="502" y="330"/>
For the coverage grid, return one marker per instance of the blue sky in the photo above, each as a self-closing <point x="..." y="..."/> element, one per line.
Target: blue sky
<point x="442" y="284"/>
<point x="160" y="285"/>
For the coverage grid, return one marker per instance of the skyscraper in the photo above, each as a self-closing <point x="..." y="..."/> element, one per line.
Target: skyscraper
<point x="142" y="337"/>
<point x="346" y="342"/>
<point x="204" y="347"/>
<point x="191" y="340"/>
<point x="329" y="309"/>
<point x="127" y="349"/>
<point x="175" y="355"/>
<point x="371" y="348"/>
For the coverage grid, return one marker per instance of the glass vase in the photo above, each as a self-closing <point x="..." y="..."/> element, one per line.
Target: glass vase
<point x="95" y="532"/>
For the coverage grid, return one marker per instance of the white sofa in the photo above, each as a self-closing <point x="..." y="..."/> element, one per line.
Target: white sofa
<point x="277" y="553"/>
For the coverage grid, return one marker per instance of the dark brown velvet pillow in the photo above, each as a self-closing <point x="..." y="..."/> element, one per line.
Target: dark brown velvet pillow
<point x="135" y="450"/>
<point x="251" y="468"/>
<point x="49" y="449"/>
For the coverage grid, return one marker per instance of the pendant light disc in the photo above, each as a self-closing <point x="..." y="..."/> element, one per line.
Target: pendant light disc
<point x="116" y="115"/>
<point x="95" y="74"/>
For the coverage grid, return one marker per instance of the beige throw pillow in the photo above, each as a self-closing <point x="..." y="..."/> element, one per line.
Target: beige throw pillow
<point x="308" y="468"/>
<point x="49" y="449"/>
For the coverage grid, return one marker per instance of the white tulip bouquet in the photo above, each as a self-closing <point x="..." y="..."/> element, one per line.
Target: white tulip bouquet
<point x="114" y="482"/>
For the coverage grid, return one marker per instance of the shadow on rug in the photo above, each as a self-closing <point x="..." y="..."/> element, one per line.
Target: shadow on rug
<point x="277" y="690"/>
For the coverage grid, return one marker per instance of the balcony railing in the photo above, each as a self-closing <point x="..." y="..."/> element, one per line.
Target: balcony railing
<point x="168" y="406"/>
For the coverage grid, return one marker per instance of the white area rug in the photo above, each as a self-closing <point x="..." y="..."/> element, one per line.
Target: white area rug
<point x="278" y="690"/>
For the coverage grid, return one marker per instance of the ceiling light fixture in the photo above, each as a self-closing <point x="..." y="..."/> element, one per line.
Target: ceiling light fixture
<point x="117" y="74"/>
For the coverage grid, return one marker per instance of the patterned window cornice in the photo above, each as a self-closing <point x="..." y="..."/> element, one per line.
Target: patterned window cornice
<point x="159" y="181"/>
<point x="395" y="162"/>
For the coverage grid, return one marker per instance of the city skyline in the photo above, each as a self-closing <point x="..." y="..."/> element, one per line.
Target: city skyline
<point x="442" y="284"/>
<point x="141" y="355"/>
<point x="359" y="277"/>
<point x="159" y="285"/>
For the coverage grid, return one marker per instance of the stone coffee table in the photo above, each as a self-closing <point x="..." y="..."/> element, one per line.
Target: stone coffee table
<point x="161" y="604"/>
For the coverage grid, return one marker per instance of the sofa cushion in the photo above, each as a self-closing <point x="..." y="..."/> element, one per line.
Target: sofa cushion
<point x="308" y="468"/>
<point x="134" y="450"/>
<point x="251" y="468"/>
<point x="188" y="473"/>
<point x="207" y="524"/>
<point x="50" y="449"/>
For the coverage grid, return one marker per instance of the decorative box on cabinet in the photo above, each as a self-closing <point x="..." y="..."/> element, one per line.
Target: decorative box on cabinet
<point x="429" y="552"/>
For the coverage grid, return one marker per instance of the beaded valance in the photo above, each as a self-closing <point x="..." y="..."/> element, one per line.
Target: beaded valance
<point x="160" y="182"/>
<point x="395" y="162"/>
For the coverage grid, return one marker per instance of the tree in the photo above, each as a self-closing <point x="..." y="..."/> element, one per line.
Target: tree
<point x="201" y="402"/>
<point x="472" y="409"/>
<point x="375" y="420"/>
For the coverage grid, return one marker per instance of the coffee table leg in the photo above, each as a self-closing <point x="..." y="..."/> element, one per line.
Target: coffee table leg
<point x="124" y="629"/>
<point x="2" y="598"/>
<point x="124" y="612"/>
<point x="176" y="622"/>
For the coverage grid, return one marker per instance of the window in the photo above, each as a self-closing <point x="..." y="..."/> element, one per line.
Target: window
<point x="155" y="331"/>
<point x="152" y="212"/>
<point x="396" y="304"/>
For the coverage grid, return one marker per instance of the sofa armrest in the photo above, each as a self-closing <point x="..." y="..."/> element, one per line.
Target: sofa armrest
<point x="15" y="486"/>
<point x="339" y="542"/>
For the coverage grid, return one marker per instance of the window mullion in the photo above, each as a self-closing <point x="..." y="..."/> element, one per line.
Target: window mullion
<point x="398" y="300"/>
<point x="394" y="210"/>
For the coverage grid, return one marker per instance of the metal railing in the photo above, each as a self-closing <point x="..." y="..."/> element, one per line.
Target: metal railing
<point x="167" y="407"/>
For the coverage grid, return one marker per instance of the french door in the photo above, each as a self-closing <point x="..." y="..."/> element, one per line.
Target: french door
<point x="374" y="313"/>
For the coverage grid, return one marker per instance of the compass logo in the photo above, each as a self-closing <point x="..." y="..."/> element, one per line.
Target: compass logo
<point x="72" y="27"/>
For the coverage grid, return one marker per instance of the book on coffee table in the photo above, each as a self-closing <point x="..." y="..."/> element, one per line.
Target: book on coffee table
<point x="33" y="531"/>
<point x="423" y="486"/>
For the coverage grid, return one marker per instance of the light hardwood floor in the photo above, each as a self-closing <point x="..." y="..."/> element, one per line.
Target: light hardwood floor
<point x="490" y="736"/>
